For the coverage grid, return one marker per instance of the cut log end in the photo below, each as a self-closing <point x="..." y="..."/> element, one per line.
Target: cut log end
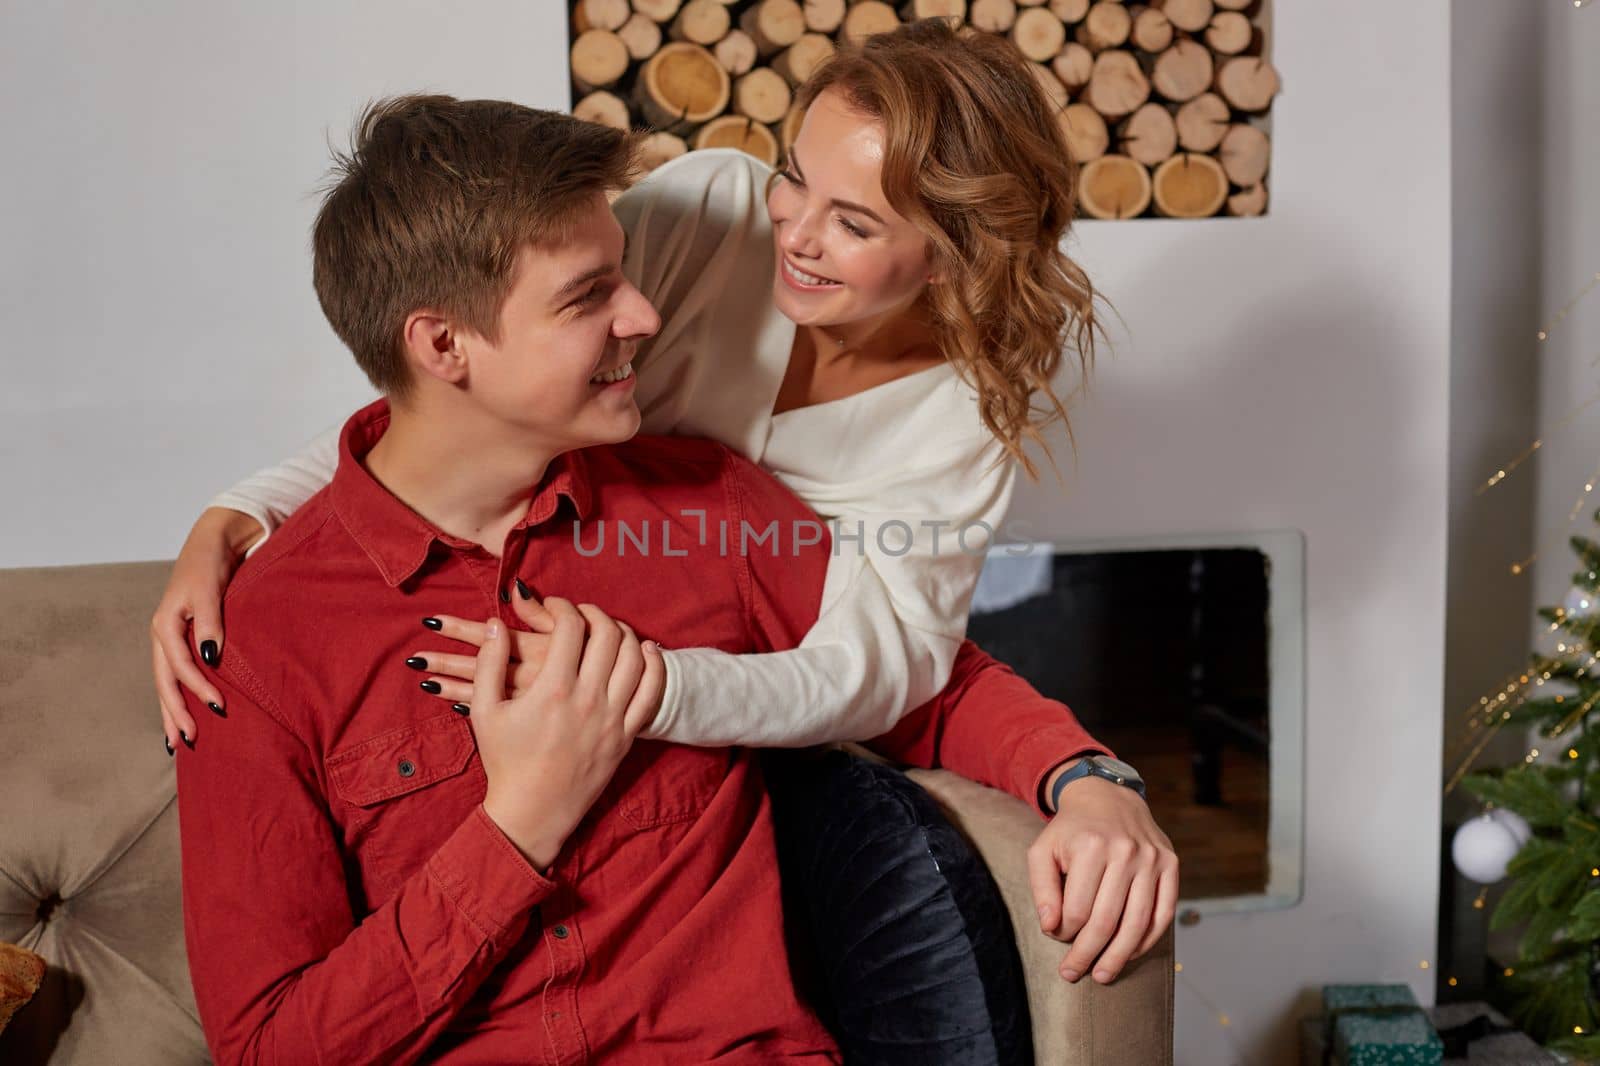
<point x="682" y="86"/>
<point x="599" y="59"/>
<point x="1149" y="135"/>
<point x="762" y="95"/>
<point x="1201" y="122"/>
<point x="1038" y="34"/>
<point x="1189" y="186"/>
<point x="1245" y="154"/>
<point x="1114" y="186"/>
<point x="745" y="134"/>
<point x="607" y="109"/>
<point x="1250" y="202"/>
<point x="1248" y="83"/>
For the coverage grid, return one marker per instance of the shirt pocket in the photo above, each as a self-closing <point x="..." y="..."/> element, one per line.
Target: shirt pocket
<point x="402" y="793"/>
<point x="667" y="784"/>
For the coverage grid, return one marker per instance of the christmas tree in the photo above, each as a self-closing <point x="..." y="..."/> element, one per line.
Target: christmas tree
<point x="1553" y="989"/>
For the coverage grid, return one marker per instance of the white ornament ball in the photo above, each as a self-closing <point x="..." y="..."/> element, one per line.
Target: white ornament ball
<point x="1580" y="603"/>
<point x="1482" y="847"/>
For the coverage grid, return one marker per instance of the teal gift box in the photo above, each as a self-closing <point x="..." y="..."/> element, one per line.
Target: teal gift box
<point x="1378" y="1025"/>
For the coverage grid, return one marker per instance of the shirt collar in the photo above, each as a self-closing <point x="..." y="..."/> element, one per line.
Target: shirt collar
<point x="395" y="537"/>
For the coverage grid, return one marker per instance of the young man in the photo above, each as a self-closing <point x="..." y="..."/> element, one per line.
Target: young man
<point x="368" y="878"/>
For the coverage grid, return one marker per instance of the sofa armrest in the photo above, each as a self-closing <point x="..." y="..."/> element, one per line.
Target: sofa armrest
<point x="1126" y="1023"/>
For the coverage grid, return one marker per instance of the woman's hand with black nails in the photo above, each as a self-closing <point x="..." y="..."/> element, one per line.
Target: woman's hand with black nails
<point x="453" y="674"/>
<point x="188" y="620"/>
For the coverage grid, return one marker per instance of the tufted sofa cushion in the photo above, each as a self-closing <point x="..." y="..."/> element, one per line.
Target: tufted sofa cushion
<point x="89" y="872"/>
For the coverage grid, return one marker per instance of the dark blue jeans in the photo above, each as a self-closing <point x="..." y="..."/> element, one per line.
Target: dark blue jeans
<point x="899" y="937"/>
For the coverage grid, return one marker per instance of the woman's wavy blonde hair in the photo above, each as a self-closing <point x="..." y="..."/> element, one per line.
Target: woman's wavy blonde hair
<point x="975" y="159"/>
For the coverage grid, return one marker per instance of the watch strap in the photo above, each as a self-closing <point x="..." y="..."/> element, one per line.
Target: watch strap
<point x="1086" y="767"/>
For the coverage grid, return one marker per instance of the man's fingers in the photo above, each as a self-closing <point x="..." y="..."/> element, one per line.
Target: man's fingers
<point x="566" y="641"/>
<point x="170" y="633"/>
<point x="600" y="652"/>
<point x="1110" y="899"/>
<point x="523" y="675"/>
<point x="1045" y="879"/>
<point x="1166" y="907"/>
<point x="533" y="613"/>
<point x="647" y="697"/>
<point x="625" y="675"/>
<point x="530" y="648"/>
<point x="1084" y="873"/>
<point x="1130" y="930"/>
<point x="489" y="682"/>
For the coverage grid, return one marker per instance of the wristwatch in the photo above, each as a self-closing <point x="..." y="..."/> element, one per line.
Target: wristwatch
<point x="1097" y="766"/>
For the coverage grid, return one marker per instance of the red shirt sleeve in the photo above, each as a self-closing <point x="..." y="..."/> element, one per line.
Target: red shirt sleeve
<point x="988" y="724"/>
<point x="282" y="971"/>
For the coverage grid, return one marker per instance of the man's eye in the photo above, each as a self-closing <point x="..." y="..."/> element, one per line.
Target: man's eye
<point x="593" y="296"/>
<point x="791" y="177"/>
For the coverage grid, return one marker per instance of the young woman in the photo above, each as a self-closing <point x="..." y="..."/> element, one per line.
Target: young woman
<point x="876" y="324"/>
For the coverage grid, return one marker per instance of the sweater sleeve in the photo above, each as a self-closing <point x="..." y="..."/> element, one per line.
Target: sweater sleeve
<point x="700" y="249"/>
<point x="895" y="599"/>
<point x="270" y="496"/>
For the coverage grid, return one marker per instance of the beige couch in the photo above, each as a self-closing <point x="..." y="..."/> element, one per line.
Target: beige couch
<point x="89" y="850"/>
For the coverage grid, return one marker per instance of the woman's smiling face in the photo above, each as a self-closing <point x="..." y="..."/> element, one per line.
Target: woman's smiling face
<point x="843" y="254"/>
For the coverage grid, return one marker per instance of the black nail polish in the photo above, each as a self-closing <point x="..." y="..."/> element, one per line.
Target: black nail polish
<point x="208" y="653"/>
<point x="216" y="710"/>
<point x="433" y="624"/>
<point x="505" y="596"/>
<point x="171" y="751"/>
<point x="186" y="741"/>
<point x="461" y="708"/>
<point x="523" y="590"/>
<point x="417" y="662"/>
<point x="432" y="688"/>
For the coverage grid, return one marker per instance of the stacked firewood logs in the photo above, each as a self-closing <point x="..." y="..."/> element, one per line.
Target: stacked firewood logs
<point x="1163" y="102"/>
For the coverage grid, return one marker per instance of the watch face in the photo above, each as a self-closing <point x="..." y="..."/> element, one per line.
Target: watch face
<point x="1117" y="766"/>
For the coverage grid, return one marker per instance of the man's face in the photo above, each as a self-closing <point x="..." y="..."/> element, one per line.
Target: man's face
<point x="570" y="321"/>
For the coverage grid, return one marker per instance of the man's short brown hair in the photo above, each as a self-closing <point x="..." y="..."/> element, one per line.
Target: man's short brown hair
<point x="433" y="204"/>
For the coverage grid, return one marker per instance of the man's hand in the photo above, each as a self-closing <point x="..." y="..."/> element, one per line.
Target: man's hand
<point x="549" y="752"/>
<point x="1105" y="878"/>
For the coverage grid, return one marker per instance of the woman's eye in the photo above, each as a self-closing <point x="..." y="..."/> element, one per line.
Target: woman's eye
<point x="790" y="177"/>
<point x="852" y="227"/>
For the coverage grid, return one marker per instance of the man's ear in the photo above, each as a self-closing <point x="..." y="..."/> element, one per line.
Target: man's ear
<point x="433" y="347"/>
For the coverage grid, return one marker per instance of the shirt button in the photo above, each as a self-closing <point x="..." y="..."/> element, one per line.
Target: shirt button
<point x="407" y="767"/>
<point x="560" y="932"/>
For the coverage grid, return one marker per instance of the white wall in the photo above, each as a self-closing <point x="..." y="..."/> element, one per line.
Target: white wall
<point x="161" y="335"/>
<point x="1293" y="372"/>
<point x="1290" y="372"/>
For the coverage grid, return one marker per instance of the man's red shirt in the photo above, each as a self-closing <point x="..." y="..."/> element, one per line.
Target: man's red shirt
<point x="346" y="897"/>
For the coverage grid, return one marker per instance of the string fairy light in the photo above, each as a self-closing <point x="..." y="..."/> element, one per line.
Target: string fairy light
<point x="1224" y="1022"/>
<point x="1528" y="452"/>
<point x="1542" y="335"/>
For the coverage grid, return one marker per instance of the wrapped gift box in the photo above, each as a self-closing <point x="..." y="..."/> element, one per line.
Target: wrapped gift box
<point x="1378" y="1025"/>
